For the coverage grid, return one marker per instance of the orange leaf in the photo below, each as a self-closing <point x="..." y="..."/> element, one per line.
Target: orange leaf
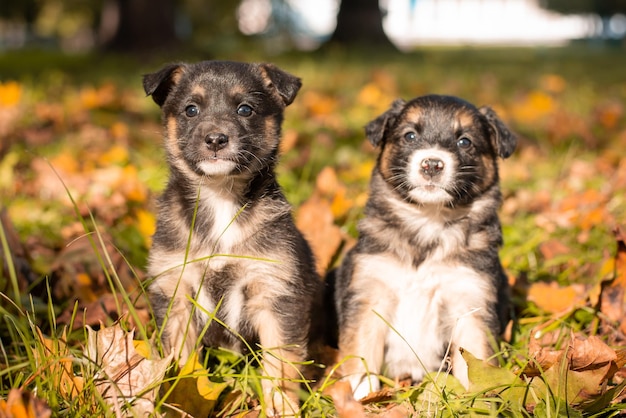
<point x="22" y="404"/>
<point x="552" y="298"/>
<point x="315" y="220"/>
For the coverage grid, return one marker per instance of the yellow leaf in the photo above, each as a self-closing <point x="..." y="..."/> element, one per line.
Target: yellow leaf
<point x="10" y="94"/>
<point x="146" y="224"/>
<point x="194" y="392"/>
<point x="143" y="348"/>
<point x="117" y="154"/>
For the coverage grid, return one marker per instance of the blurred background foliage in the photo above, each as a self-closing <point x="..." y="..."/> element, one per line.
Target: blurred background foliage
<point x="146" y="25"/>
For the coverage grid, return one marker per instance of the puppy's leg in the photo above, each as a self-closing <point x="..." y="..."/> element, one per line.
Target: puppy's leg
<point x="281" y="366"/>
<point x="472" y="335"/>
<point x="362" y="342"/>
<point x="173" y="312"/>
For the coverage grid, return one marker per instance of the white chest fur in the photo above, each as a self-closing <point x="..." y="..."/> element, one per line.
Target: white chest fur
<point x="224" y="232"/>
<point x="422" y="308"/>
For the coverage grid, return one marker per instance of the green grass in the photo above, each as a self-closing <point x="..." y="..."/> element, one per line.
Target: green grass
<point x="566" y="183"/>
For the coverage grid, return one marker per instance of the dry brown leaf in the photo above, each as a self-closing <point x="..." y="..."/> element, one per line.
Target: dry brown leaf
<point x="580" y="373"/>
<point x="122" y="374"/>
<point x="541" y="358"/>
<point x="23" y="404"/>
<point x="345" y="404"/>
<point x="590" y="352"/>
<point x="613" y="292"/>
<point x="315" y="220"/>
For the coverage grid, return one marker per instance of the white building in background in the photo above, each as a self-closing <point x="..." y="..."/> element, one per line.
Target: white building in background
<point x="441" y="22"/>
<point x="494" y="22"/>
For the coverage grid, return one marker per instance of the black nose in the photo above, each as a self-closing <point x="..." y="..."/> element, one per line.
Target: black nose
<point x="216" y="141"/>
<point x="432" y="166"/>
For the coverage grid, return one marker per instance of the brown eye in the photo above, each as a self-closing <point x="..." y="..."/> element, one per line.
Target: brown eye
<point x="244" y="110"/>
<point x="464" y="143"/>
<point x="192" y="111"/>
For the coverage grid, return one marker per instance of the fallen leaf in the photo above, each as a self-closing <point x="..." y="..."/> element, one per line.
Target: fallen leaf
<point x="345" y="404"/>
<point x="552" y="298"/>
<point x="122" y="376"/>
<point x="315" y="219"/>
<point x="613" y="291"/>
<point x="23" y="404"/>
<point x="495" y="381"/>
<point x="590" y="352"/>
<point x="193" y="391"/>
<point x="541" y="357"/>
<point x="57" y="361"/>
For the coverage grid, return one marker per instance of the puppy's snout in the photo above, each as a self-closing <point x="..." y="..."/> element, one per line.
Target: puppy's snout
<point x="216" y="141"/>
<point x="432" y="166"/>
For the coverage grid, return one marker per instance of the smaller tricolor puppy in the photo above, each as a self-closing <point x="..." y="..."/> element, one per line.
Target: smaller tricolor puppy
<point x="229" y="267"/>
<point x="425" y="278"/>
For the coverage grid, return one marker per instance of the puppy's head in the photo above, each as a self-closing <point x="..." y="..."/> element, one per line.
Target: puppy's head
<point x="222" y="118"/>
<point x="440" y="150"/>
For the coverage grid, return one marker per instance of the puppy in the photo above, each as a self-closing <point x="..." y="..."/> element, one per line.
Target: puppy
<point x="229" y="267"/>
<point x="425" y="275"/>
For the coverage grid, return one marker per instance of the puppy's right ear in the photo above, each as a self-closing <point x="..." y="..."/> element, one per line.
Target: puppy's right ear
<point x="159" y="84"/>
<point x="376" y="129"/>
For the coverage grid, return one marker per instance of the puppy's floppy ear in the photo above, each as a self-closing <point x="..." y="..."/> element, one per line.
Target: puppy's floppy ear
<point x="159" y="84"/>
<point x="503" y="139"/>
<point x="286" y="85"/>
<point x="376" y="129"/>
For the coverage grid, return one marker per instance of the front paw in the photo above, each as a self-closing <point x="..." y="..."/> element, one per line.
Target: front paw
<point x="364" y="384"/>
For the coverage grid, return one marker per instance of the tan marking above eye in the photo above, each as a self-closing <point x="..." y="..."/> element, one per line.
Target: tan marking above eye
<point x="413" y="114"/>
<point x="464" y="120"/>
<point x="198" y="91"/>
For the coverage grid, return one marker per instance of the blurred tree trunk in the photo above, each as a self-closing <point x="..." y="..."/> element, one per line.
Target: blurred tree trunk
<point x="360" y="22"/>
<point x="137" y="25"/>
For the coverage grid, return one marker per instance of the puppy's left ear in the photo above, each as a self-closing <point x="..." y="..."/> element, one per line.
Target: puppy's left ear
<point x="503" y="139"/>
<point x="159" y="84"/>
<point x="286" y="85"/>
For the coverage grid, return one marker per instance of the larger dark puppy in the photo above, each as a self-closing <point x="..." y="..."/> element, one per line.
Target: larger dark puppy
<point x="225" y="244"/>
<point x="425" y="272"/>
